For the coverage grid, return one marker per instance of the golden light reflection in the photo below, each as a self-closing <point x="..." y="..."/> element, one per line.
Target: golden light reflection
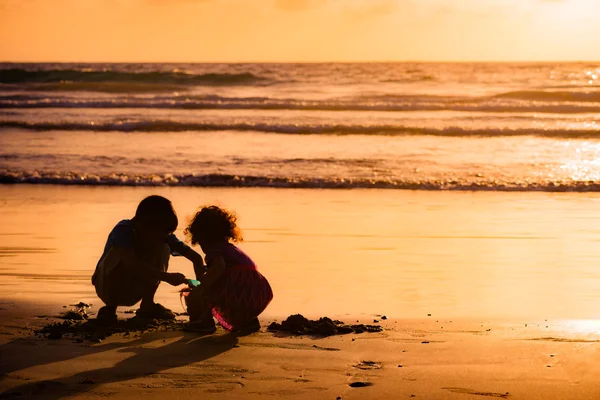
<point x="585" y="162"/>
<point x="590" y="328"/>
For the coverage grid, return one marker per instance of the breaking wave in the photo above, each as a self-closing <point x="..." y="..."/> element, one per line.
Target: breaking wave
<point x="562" y="96"/>
<point x="110" y="77"/>
<point x="225" y="180"/>
<point x="307" y="129"/>
<point x="513" y="102"/>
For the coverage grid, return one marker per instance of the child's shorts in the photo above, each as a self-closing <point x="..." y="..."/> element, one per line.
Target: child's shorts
<point x="118" y="284"/>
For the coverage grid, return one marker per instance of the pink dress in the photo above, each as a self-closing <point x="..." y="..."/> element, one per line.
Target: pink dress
<point x="242" y="293"/>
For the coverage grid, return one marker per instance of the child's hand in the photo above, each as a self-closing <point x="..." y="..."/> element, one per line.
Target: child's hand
<point x="199" y="269"/>
<point x="175" y="279"/>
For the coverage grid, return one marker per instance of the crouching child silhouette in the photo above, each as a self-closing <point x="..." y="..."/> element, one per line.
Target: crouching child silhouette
<point x="231" y="289"/>
<point x="136" y="258"/>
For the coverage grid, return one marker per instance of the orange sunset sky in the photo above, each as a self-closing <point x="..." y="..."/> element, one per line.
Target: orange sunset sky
<point x="299" y="30"/>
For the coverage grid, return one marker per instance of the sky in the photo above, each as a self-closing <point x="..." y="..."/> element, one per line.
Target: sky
<point x="298" y="30"/>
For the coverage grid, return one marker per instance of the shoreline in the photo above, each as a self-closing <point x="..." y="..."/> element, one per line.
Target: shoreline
<point x="227" y="182"/>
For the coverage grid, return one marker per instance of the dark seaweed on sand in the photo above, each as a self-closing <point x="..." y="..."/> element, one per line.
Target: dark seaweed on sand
<point x="77" y="326"/>
<point x="299" y="325"/>
<point x="77" y="313"/>
<point x="95" y="331"/>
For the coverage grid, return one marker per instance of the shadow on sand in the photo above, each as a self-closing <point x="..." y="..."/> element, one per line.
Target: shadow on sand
<point x="150" y="356"/>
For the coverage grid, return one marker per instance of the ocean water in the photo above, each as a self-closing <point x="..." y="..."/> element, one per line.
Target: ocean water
<point x="461" y="126"/>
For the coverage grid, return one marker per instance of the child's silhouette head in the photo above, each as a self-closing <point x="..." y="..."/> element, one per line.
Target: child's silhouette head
<point x="156" y="218"/>
<point x="212" y="225"/>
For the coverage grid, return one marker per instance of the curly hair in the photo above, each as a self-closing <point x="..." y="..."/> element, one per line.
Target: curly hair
<point x="212" y="224"/>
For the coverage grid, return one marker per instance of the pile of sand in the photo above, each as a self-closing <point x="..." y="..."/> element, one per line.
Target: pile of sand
<point x="299" y="325"/>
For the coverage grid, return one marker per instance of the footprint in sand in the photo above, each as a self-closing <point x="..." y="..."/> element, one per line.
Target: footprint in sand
<point x="368" y="365"/>
<point x="360" y="384"/>
<point x="365" y="365"/>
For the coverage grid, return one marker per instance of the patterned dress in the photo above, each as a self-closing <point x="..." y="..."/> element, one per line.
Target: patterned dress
<point x="241" y="293"/>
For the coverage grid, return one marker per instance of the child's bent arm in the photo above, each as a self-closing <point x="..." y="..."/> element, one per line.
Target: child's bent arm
<point x="216" y="269"/>
<point x="179" y="248"/>
<point x="193" y="256"/>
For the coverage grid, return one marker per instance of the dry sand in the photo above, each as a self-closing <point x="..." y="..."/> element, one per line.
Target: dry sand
<point x="428" y="358"/>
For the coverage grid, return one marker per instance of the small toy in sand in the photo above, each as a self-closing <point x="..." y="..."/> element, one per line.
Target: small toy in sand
<point x="192" y="283"/>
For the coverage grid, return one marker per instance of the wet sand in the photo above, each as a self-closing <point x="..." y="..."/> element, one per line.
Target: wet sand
<point x="486" y="294"/>
<point x="335" y="252"/>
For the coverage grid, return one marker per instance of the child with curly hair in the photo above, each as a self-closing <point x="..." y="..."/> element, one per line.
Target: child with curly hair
<point x="232" y="290"/>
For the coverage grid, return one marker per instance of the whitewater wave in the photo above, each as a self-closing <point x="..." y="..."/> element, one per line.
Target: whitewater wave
<point x="307" y="129"/>
<point x="497" y="104"/>
<point x="225" y="180"/>
<point x="25" y="76"/>
<point x="562" y="96"/>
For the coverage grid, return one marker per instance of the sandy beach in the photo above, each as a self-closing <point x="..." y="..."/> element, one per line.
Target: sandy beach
<point x="430" y="358"/>
<point x="450" y="332"/>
